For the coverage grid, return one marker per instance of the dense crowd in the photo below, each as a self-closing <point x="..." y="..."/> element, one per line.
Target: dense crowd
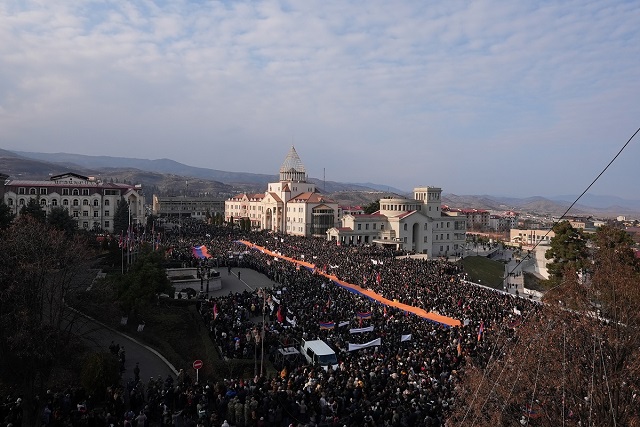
<point x="408" y="378"/>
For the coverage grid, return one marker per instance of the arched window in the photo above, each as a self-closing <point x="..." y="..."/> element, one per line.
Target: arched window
<point x="76" y="202"/>
<point x="43" y="202"/>
<point x="75" y="192"/>
<point x="65" y="202"/>
<point x="106" y="202"/>
<point x="96" y="203"/>
<point x="54" y="202"/>
<point x="85" y="202"/>
<point x="10" y="202"/>
<point x="32" y="191"/>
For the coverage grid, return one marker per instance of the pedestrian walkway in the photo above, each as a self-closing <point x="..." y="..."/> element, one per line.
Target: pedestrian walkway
<point x="99" y="336"/>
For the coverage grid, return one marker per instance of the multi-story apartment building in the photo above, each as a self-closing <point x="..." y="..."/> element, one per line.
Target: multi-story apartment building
<point x="182" y="207"/>
<point x="418" y="225"/>
<point x="290" y="206"/>
<point x="91" y="202"/>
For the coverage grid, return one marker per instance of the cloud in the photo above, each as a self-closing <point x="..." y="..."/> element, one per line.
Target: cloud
<point x="406" y="93"/>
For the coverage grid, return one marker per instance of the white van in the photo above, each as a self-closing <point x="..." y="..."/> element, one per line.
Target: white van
<point x="319" y="352"/>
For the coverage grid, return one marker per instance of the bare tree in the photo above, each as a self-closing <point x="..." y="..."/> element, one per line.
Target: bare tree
<point x="38" y="268"/>
<point x="574" y="361"/>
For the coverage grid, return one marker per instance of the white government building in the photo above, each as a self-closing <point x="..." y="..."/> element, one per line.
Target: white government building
<point x="291" y="206"/>
<point x="418" y="225"/>
<point x="91" y="202"/>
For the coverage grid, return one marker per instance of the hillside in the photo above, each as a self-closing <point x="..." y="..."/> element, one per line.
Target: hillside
<point x="167" y="177"/>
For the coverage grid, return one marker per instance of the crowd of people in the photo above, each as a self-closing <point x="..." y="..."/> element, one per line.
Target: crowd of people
<point x="408" y="378"/>
<point x="405" y="369"/>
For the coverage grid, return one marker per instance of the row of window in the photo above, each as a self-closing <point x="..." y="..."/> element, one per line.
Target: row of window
<point x="65" y="202"/>
<point x="65" y="191"/>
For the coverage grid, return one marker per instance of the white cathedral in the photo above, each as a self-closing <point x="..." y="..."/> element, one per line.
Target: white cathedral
<point x="291" y="206"/>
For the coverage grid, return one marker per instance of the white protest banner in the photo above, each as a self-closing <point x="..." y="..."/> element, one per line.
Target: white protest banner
<point x="373" y="343"/>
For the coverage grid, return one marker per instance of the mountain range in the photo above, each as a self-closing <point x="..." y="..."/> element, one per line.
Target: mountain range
<point x="168" y="177"/>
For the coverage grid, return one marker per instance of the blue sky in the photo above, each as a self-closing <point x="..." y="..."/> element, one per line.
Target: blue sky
<point x="478" y="97"/>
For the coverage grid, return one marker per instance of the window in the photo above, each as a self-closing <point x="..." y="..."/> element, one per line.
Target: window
<point x="22" y="190"/>
<point x="85" y="224"/>
<point x="65" y="202"/>
<point x="65" y="191"/>
<point x="96" y="202"/>
<point x="43" y="191"/>
<point x="85" y="191"/>
<point x="54" y="202"/>
<point x="374" y="225"/>
<point x="85" y="213"/>
<point x="381" y="226"/>
<point x="106" y="202"/>
<point x="32" y="191"/>
<point x="75" y="214"/>
<point x="95" y="214"/>
<point x="76" y="202"/>
<point x="426" y="239"/>
<point x="405" y="227"/>
<point x="106" y="224"/>
<point x="447" y="224"/>
<point x="21" y="202"/>
<point x="359" y="226"/>
<point x="85" y="202"/>
<point x="447" y="236"/>
<point x="43" y="202"/>
<point x="75" y="192"/>
<point x="426" y="226"/>
<point x="366" y="226"/>
<point x="10" y="202"/>
<point x="106" y="213"/>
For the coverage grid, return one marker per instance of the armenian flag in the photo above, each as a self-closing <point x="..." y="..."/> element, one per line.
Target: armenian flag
<point x="365" y="315"/>
<point x="327" y="325"/>
<point x="200" y="252"/>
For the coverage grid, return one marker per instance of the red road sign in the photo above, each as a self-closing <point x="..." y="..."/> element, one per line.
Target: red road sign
<point x="197" y="364"/>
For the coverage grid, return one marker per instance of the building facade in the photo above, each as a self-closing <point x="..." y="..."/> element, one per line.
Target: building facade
<point x="91" y="202"/>
<point x="290" y="206"/>
<point x="181" y="207"/>
<point x="417" y="225"/>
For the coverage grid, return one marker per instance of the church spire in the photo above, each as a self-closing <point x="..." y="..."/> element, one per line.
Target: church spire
<point x="292" y="169"/>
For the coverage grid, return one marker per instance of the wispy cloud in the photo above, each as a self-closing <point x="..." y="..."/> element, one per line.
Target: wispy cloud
<point x="407" y="93"/>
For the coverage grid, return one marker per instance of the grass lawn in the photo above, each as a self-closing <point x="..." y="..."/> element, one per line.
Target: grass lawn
<point x="484" y="271"/>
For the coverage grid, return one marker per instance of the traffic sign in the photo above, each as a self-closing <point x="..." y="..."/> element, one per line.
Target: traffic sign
<point x="197" y="364"/>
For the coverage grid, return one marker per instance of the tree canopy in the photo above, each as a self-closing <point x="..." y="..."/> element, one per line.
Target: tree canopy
<point x="567" y="248"/>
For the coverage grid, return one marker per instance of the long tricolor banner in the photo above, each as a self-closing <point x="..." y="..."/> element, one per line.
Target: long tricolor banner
<point x="200" y="252"/>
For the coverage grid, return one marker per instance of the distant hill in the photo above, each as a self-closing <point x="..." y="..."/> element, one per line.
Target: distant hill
<point x="168" y="177"/>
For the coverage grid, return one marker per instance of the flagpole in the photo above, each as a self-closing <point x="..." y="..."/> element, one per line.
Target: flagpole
<point x="264" y="306"/>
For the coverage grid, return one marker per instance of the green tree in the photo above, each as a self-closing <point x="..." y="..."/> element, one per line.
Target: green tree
<point x="34" y="209"/>
<point x="567" y="248"/>
<point x="372" y="207"/>
<point x="6" y="216"/>
<point x="145" y="279"/>
<point x="60" y="219"/>
<point x="121" y="217"/>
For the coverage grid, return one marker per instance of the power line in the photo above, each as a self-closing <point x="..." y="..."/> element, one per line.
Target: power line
<point x="576" y="200"/>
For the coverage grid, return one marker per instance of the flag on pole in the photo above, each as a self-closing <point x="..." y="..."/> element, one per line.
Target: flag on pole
<point x="480" y="330"/>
